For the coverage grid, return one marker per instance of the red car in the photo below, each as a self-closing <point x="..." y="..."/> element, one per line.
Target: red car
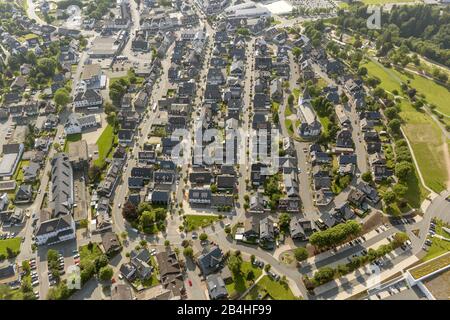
<point x="190" y="283"/>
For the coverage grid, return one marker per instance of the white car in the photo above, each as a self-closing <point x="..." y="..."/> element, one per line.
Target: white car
<point x="119" y="205"/>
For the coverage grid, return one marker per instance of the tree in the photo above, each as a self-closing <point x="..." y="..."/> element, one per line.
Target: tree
<point x="267" y="267"/>
<point x="403" y="170"/>
<point x="291" y="99"/>
<point x="367" y="176"/>
<point x="227" y="230"/>
<point x="250" y="275"/>
<point x="124" y="235"/>
<point x="400" y="238"/>
<point x="100" y="262"/>
<point x="296" y="51"/>
<point x="46" y="66"/>
<point x="284" y="220"/>
<point x="323" y="275"/>
<point x="129" y="211"/>
<point x="106" y="273"/>
<point x="166" y="243"/>
<point x="301" y="254"/>
<point x="144" y="206"/>
<point x="362" y="71"/>
<point x="394" y="126"/>
<point x="109" y="108"/>
<point x="389" y="197"/>
<point x="26" y="266"/>
<point x="143" y="243"/>
<point x="235" y="263"/>
<point x="94" y="172"/>
<point x="213" y="188"/>
<point x="400" y="189"/>
<point x="188" y="252"/>
<point x="391" y="112"/>
<point x="252" y="258"/>
<point x="335" y="235"/>
<point x="61" y="97"/>
<point x="203" y="236"/>
<point x="147" y="219"/>
<point x="52" y="255"/>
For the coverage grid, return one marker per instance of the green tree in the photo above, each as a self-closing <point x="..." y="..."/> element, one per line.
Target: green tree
<point x="203" y="236"/>
<point x="235" y="263"/>
<point x="250" y="275"/>
<point x="106" y="273"/>
<point x="100" y="262"/>
<point x="284" y="220"/>
<point x="389" y="197"/>
<point x="323" y="275"/>
<point x="403" y="170"/>
<point x="62" y="97"/>
<point x="301" y="254"/>
<point x="394" y="126"/>
<point x="188" y="252"/>
<point x="367" y="176"/>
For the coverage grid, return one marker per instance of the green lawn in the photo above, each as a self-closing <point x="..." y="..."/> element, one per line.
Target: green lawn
<point x="287" y="111"/>
<point x="194" y="222"/>
<point x="267" y="288"/>
<point x="289" y="126"/>
<point x="296" y="93"/>
<point x="423" y="133"/>
<point x="431" y="266"/>
<point x="72" y="138"/>
<point x="433" y="92"/>
<point x="240" y="282"/>
<point x="324" y="121"/>
<point x="18" y="175"/>
<point x="426" y="141"/>
<point x="439" y="246"/>
<point x="371" y="2"/>
<point x="153" y="280"/>
<point x="13" y="243"/>
<point x="104" y="143"/>
<point x="89" y="255"/>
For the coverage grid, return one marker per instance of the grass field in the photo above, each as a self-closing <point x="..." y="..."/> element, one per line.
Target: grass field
<point x="104" y="143"/>
<point x="18" y="175"/>
<point x="439" y="246"/>
<point x="426" y="141"/>
<point x="268" y="288"/>
<point x="71" y="138"/>
<point x="369" y="2"/>
<point x="423" y="133"/>
<point x="289" y="126"/>
<point x="13" y="243"/>
<point x="431" y="266"/>
<point x="240" y="283"/>
<point x="194" y="222"/>
<point x="89" y="255"/>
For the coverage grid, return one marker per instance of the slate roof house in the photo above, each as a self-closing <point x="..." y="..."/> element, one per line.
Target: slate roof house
<point x="216" y="287"/>
<point x="55" y="230"/>
<point x="210" y="261"/>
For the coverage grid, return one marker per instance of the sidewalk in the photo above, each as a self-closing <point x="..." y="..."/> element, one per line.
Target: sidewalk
<point x="345" y="281"/>
<point x="341" y="248"/>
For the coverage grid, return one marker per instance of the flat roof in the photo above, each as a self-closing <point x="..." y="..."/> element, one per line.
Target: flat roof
<point x="78" y="151"/>
<point x="430" y="266"/>
<point x="439" y="285"/>
<point x="103" y="46"/>
<point x="7" y="164"/>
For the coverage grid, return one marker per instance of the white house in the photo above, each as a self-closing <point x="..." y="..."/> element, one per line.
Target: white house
<point x="55" y="230"/>
<point x="90" y="99"/>
<point x="76" y="124"/>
